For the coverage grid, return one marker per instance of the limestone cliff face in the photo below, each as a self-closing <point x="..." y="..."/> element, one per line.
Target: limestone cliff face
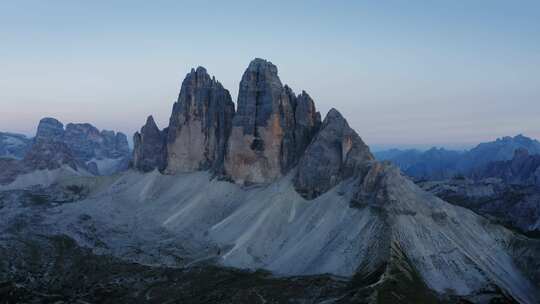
<point x="87" y="142"/>
<point x="49" y="129"/>
<point x="199" y="125"/>
<point x="335" y="154"/>
<point x="265" y="141"/>
<point x="149" y="151"/>
<point x="307" y="123"/>
<point x="49" y="150"/>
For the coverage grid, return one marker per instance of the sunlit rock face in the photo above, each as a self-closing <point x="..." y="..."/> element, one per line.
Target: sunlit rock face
<point x="335" y="154"/>
<point x="149" y="147"/>
<point x="266" y="140"/>
<point x="199" y="126"/>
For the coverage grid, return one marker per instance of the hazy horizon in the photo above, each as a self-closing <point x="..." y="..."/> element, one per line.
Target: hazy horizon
<point x="409" y="74"/>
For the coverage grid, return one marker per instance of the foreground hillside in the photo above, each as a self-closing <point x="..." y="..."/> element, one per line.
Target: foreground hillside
<point x="152" y="219"/>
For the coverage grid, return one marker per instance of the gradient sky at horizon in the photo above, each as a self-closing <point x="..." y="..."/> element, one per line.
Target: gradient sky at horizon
<point x="404" y="73"/>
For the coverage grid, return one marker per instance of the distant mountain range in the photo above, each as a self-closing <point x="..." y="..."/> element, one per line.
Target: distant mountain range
<point x="14" y="145"/>
<point x="440" y="164"/>
<point x="81" y="147"/>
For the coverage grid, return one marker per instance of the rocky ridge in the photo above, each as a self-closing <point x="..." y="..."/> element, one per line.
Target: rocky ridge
<point x="506" y="191"/>
<point x="441" y="164"/>
<point x="522" y="169"/>
<point x="335" y="154"/>
<point x="99" y="152"/>
<point x="77" y="146"/>
<point x="150" y="144"/>
<point x="263" y="140"/>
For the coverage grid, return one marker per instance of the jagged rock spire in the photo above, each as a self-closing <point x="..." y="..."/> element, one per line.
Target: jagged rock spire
<point x="263" y="144"/>
<point x="335" y="154"/>
<point x="199" y="125"/>
<point x="49" y="129"/>
<point x="49" y="151"/>
<point x="149" y="147"/>
<point x="273" y="131"/>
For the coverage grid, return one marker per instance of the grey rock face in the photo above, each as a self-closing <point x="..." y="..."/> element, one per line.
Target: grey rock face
<point x="50" y="129"/>
<point x="10" y="168"/>
<point x="335" y="154"/>
<point x="521" y="170"/>
<point x="121" y="145"/>
<point x="149" y="151"/>
<point x="517" y="206"/>
<point x="14" y="145"/>
<point x="199" y="125"/>
<point x="49" y="155"/>
<point x="77" y="146"/>
<point x="271" y="127"/>
<point x="85" y="140"/>
<point x="88" y="143"/>
<point x="49" y="150"/>
<point x="307" y="121"/>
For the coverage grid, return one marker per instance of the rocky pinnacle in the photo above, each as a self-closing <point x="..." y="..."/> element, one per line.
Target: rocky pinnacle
<point x="268" y="134"/>
<point x="149" y="151"/>
<point x="200" y="124"/>
<point x="274" y="132"/>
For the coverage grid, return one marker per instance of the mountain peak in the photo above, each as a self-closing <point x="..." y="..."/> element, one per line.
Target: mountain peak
<point x="335" y="154"/>
<point x="259" y="63"/>
<point x="149" y="147"/>
<point x="333" y="115"/>
<point x="151" y="123"/>
<point x="199" y="125"/>
<point x="49" y="128"/>
<point x="266" y="141"/>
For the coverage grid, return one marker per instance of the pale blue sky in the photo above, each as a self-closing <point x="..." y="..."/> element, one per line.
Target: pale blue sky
<point x="405" y="72"/>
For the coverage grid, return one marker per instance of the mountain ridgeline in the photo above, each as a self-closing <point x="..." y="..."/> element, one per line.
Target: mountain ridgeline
<point x="272" y="131"/>
<point x="440" y="164"/>
<point x="79" y="146"/>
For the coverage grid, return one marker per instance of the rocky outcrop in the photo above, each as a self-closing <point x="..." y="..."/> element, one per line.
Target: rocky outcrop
<point x="88" y="143"/>
<point x="49" y="150"/>
<point x="199" y="125"/>
<point x="516" y="206"/>
<point x="49" y="129"/>
<point x="335" y="154"/>
<point x="84" y="140"/>
<point x="307" y="122"/>
<point x="522" y="169"/>
<point x="50" y="155"/>
<point x="149" y="152"/>
<point x="14" y="145"/>
<point x="79" y="146"/>
<point x="271" y="127"/>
